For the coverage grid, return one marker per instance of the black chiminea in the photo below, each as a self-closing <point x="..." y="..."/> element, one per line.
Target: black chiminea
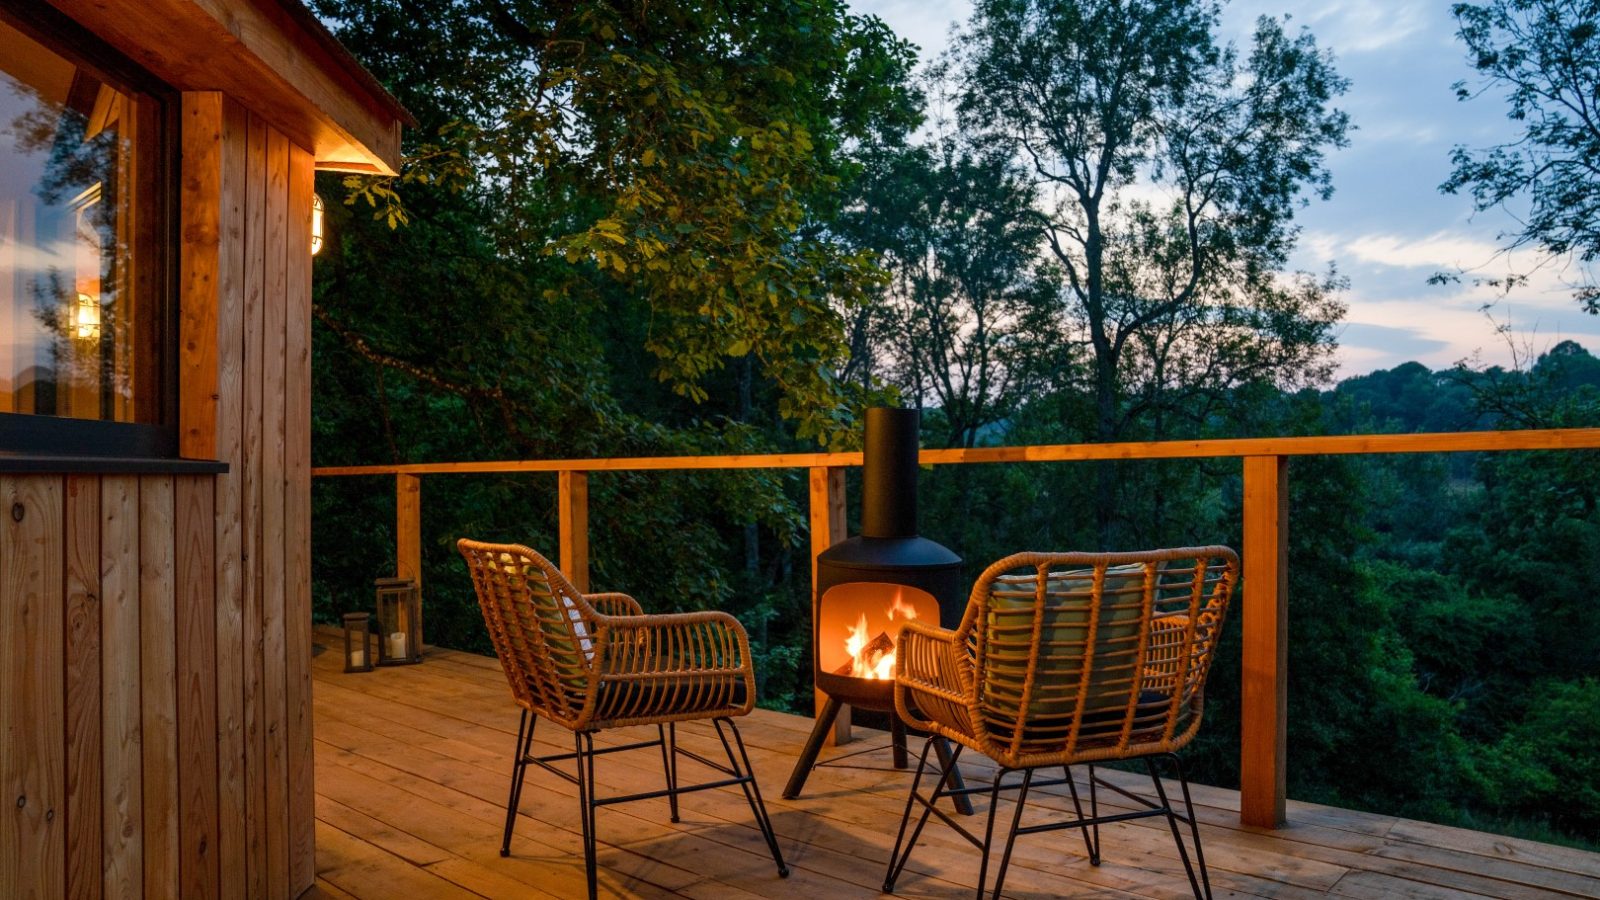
<point x="868" y="586"/>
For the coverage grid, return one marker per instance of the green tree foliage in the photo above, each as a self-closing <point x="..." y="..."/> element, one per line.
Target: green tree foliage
<point x="639" y="229"/>
<point x="682" y="150"/>
<point x="1544" y="55"/>
<point x="604" y="204"/>
<point x="963" y="324"/>
<point x="1169" y="169"/>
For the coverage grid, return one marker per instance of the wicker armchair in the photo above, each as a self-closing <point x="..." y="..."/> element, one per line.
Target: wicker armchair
<point x="1065" y="659"/>
<point x="592" y="661"/>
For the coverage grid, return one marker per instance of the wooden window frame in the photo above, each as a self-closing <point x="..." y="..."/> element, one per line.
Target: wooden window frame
<point x="32" y="438"/>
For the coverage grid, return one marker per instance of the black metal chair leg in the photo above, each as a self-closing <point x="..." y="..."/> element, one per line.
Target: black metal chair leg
<point x="927" y="809"/>
<point x="1194" y="824"/>
<point x="519" y="770"/>
<point x="1177" y="837"/>
<point x="897" y="739"/>
<point x="669" y="764"/>
<point x="1011" y="836"/>
<point x="896" y="860"/>
<point x="585" y="760"/>
<point x="752" y="790"/>
<point x="1094" y="810"/>
<point x="1090" y="844"/>
<point x="947" y="762"/>
<point x="988" y="831"/>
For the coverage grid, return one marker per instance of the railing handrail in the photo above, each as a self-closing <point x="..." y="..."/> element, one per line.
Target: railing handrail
<point x="1426" y="442"/>
<point x="1263" y="710"/>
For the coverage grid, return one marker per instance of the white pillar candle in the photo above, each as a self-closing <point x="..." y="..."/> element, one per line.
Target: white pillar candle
<point x="397" y="645"/>
<point x="358" y="658"/>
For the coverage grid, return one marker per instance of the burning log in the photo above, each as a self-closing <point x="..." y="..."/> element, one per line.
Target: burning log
<point x="868" y="662"/>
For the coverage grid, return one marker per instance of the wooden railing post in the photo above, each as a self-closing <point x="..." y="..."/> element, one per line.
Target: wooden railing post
<point x="408" y="531"/>
<point x="1264" y="703"/>
<point x="573" y="518"/>
<point x="827" y="529"/>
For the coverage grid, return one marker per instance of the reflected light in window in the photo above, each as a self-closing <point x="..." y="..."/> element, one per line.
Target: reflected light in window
<point x="86" y="317"/>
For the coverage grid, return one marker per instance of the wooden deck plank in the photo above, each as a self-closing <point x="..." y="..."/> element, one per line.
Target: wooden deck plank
<point x="1152" y="844"/>
<point x="353" y="865"/>
<point x="1522" y="852"/>
<point x="412" y="772"/>
<point x="1150" y="849"/>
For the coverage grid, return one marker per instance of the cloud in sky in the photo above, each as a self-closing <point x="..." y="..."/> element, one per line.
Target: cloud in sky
<point x="1387" y="227"/>
<point x="1383" y="338"/>
<point x="1440" y="250"/>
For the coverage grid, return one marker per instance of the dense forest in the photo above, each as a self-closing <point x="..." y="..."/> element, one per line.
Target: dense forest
<point x="666" y="229"/>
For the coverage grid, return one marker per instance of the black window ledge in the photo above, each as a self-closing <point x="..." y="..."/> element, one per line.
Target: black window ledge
<point x="36" y="464"/>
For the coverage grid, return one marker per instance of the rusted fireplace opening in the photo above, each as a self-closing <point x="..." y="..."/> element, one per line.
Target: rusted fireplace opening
<point x="870" y="585"/>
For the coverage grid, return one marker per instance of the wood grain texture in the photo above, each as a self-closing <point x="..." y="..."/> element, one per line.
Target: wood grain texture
<point x="572" y="513"/>
<point x="413" y="764"/>
<point x="122" y="808"/>
<point x="257" y="53"/>
<point x="32" y="701"/>
<point x="1264" y="657"/>
<point x="297" y="523"/>
<point x="828" y="527"/>
<point x="232" y="810"/>
<point x="158" y="683"/>
<point x="252" y="450"/>
<point x="199" y="222"/>
<point x="195" y="586"/>
<point x="83" y="649"/>
<point x="408" y="528"/>
<point x="272" y="522"/>
<point x="1450" y="442"/>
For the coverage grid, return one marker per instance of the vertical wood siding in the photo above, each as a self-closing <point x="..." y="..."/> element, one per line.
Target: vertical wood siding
<point x="155" y="643"/>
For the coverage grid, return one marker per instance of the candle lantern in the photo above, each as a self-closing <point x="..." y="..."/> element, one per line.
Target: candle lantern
<point x="399" y="622"/>
<point x="360" y="650"/>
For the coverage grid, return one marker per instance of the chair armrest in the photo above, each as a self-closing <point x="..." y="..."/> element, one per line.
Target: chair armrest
<point x="688" y="644"/>
<point x="614" y="603"/>
<point x="932" y="676"/>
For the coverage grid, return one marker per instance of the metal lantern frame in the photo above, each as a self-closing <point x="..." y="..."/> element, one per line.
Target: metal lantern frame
<point x="399" y="612"/>
<point x="358" y="627"/>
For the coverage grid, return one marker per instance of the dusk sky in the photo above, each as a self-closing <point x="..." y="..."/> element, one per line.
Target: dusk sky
<point x="1387" y="227"/>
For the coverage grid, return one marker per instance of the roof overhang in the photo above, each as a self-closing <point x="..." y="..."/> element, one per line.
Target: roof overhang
<point x="274" y="56"/>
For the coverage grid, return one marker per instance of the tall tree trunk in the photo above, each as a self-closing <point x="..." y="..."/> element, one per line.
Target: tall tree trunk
<point x="1105" y="472"/>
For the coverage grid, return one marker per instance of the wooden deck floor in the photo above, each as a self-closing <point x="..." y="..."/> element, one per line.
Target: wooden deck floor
<point x="413" y="764"/>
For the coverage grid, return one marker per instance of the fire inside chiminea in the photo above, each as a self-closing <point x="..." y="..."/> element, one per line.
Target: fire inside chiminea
<point x="870" y="585"/>
<point x="861" y="621"/>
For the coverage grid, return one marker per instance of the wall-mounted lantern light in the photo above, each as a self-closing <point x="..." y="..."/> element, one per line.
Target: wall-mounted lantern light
<point x="316" y="224"/>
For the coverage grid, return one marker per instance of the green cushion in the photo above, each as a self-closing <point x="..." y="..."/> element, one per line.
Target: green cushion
<point x="1009" y="637"/>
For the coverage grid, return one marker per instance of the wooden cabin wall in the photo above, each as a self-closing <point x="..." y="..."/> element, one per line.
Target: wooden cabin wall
<point x="155" y="645"/>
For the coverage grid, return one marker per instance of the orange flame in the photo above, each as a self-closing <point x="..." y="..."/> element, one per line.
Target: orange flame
<point x="902" y="607"/>
<point x="868" y="660"/>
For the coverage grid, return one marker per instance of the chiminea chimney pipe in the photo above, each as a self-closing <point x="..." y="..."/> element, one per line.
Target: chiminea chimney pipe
<point x="889" y="473"/>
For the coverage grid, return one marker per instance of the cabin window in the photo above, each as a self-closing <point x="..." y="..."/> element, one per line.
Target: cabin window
<point x="86" y="319"/>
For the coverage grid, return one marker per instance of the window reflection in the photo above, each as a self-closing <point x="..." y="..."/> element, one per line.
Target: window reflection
<point x="80" y="312"/>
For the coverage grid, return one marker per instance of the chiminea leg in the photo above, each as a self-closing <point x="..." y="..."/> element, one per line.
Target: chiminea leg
<point x="897" y="736"/>
<point x="808" y="755"/>
<point x="963" y="802"/>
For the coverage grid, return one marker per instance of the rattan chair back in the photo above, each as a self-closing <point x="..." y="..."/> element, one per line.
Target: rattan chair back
<point x="1082" y="656"/>
<point x="541" y="626"/>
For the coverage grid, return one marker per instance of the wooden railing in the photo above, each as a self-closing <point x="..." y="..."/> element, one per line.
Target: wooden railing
<point x="1264" y="665"/>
